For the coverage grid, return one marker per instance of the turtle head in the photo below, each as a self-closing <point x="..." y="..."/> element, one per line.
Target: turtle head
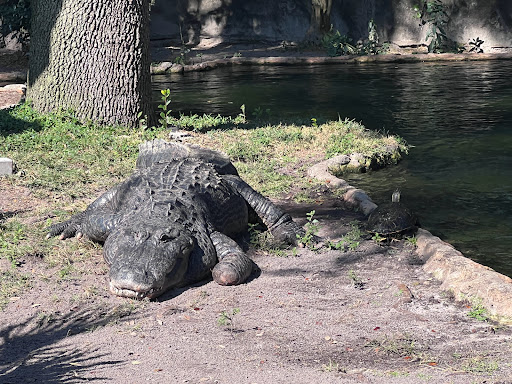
<point x="395" y="197"/>
<point x="146" y="260"/>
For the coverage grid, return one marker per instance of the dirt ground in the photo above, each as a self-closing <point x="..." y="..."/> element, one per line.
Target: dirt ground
<point x="371" y="315"/>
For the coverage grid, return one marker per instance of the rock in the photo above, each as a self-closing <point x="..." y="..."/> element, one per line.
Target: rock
<point x="357" y="198"/>
<point x="20" y="88"/>
<point x="160" y="68"/>
<point x="467" y="279"/>
<point x="322" y="171"/>
<point x="6" y="166"/>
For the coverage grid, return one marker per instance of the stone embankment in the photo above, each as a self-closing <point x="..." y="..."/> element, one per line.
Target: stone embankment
<point x="466" y="279"/>
<point x="169" y="67"/>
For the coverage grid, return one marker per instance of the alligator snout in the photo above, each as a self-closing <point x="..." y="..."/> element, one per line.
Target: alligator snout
<point x="133" y="283"/>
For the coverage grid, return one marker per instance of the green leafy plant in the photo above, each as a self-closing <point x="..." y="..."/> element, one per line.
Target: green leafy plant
<point x="378" y="238"/>
<point x="412" y="240"/>
<point x="242" y="113"/>
<point x="350" y="241"/>
<point x="476" y="45"/>
<point x="337" y="44"/>
<point x="311" y="228"/>
<point x="371" y="45"/>
<point x="478" y="311"/>
<point x="433" y="14"/>
<point x="332" y="367"/>
<point x="166" y="112"/>
<point x="226" y="318"/>
<point x="356" y="280"/>
<point x="259" y="112"/>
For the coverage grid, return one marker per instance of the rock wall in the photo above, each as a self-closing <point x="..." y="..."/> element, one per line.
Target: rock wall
<point x="210" y="22"/>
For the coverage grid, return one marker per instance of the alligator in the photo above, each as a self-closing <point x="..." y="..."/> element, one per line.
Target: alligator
<point x="172" y="222"/>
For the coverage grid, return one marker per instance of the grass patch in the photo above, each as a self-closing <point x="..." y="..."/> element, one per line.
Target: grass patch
<point x="58" y="155"/>
<point x="480" y="364"/>
<point x="261" y="153"/>
<point x="12" y="234"/>
<point x="69" y="163"/>
<point x="12" y="283"/>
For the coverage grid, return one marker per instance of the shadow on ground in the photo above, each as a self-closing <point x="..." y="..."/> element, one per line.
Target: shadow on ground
<point x="33" y="350"/>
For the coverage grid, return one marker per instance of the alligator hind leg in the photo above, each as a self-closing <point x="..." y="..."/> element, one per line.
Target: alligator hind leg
<point x="280" y="224"/>
<point x="234" y="266"/>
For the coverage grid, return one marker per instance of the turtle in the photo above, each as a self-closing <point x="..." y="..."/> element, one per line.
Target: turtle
<point x="391" y="220"/>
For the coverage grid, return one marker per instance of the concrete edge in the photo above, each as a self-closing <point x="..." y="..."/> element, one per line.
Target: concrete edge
<point x="168" y="67"/>
<point x="467" y="279"/>
<point x="354" y="198"/>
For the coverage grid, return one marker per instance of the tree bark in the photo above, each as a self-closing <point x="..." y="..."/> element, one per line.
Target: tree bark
<point x="91" y="56"/>
<point x="320" y="17"/>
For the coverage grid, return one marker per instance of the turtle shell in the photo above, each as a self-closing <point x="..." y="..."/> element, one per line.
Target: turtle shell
<point x="391" y="218"/>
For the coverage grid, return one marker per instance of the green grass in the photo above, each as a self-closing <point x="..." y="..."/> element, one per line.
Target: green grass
<point x="67" y="164"/>
<point x="12" y="283"/>
<point x="12" y="235"/>
<point x="58" y="155"/>
<point x="480" y="364"/>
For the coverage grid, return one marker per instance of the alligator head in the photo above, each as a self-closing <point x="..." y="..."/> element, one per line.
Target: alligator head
<point x="146" y="260"/>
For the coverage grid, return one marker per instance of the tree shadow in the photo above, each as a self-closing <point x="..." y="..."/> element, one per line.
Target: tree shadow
<point x="31" y="350"/>
<point x="10" y="125"/>
<point x="41" y="38"/>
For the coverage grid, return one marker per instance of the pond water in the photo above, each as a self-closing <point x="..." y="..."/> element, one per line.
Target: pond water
<point x="458" y="117"/>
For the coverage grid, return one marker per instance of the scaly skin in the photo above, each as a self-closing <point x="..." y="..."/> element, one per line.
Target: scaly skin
<point x="171" y="222"/>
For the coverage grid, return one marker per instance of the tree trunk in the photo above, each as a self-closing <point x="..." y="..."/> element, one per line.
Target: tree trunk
<point x="91" y="56"/>
<point x="320" y="17"/>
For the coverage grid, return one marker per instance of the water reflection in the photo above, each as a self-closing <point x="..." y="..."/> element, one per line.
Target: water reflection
<point x="458" y="116"/>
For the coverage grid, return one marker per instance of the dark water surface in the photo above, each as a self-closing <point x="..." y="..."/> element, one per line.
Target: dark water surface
<point x="458" y="116"/>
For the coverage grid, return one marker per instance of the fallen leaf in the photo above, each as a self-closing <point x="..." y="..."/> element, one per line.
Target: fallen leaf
<point x="432" y="364"/>
<point x="327" y="338"/>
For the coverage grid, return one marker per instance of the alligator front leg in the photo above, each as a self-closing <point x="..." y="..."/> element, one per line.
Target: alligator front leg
<point x="279" y="223"/>
<point x="234" y="266"/>
<point x="95" y="222"/>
